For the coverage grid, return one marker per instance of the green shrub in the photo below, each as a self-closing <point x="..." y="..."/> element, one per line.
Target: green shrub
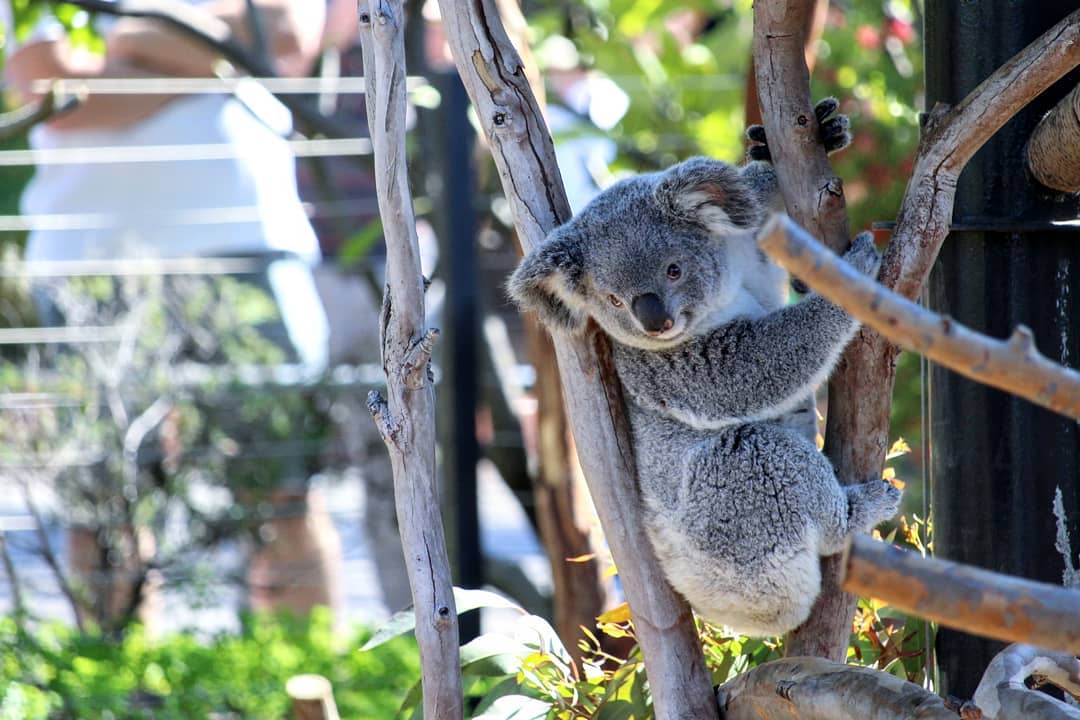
<point x="53" y="671"/>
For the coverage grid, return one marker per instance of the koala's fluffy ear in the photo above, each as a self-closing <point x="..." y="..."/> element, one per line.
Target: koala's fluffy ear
<point x="549" y="281"/>
<point x="709" y="193"/>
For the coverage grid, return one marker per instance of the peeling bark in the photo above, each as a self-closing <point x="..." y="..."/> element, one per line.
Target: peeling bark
<point x="406" y="419"/>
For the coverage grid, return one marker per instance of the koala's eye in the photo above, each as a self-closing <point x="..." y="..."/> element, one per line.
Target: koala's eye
<point x="674" y="272"/>
<point x="615" y="301"/>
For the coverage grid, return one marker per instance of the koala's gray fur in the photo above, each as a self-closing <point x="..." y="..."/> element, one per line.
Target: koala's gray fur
<point x="739" y="504"/>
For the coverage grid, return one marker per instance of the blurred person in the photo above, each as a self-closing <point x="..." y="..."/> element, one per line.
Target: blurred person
<point x="188" y="208"/>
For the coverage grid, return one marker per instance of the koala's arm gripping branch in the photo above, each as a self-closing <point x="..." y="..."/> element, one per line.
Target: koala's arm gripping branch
<point x="1013" y="365"/>
<point x="753" y="369"/>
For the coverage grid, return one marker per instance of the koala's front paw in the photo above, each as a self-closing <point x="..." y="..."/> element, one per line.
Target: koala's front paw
<point x="863" y="254"/>
<point x="834" y="132"/>
<point x="870" y="503"/>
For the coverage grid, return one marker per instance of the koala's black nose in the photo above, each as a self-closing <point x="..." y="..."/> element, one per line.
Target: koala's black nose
<point x="650" y="310"/>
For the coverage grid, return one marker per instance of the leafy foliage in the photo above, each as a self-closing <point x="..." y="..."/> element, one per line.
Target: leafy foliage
<point x="55" y="672"/>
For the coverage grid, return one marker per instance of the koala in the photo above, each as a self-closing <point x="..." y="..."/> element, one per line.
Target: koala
<point x="718" y="376"/>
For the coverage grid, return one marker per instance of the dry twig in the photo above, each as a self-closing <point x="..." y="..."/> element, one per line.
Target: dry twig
<point x="1003" y="693"/>
<point x="518" y="138"/>
<point x="1013" y="365"/>
<point x="406" y="420"/>
<point x="967" y="598"/>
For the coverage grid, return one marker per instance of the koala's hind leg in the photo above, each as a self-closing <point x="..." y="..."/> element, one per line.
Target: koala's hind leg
<point x="869" y="503"/>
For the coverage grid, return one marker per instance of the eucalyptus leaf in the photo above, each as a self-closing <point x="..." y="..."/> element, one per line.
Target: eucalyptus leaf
<point x="404" y="621"/>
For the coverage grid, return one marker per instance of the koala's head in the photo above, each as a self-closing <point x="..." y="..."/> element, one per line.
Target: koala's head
<point x="650" y="259"/>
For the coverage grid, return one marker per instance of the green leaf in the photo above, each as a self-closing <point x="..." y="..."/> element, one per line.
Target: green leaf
<point x="515" y="707"/>
<point x="404" y="621"/>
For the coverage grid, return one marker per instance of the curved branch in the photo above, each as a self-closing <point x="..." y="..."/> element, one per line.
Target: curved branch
<point x="1053" y="152"/>
<point x="521" y="145"/>
<point x="1013" y="365"/>
<point x="406" y="419"/>
<point x="214" y="33"/>
<point x="953" y="136"/>
<point x="807" y="688"/>
<point x="967" y="598"/>
<point x="1003" y="692"/>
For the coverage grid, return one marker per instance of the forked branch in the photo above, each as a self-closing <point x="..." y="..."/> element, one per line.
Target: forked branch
<point x="1003" y="692"/>
<point x="406" y="418"/>
<point x="1013" y="365"/>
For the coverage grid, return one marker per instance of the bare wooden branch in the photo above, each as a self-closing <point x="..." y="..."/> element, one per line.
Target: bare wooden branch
<point x="1013" y="365"/>
<point x="517" y="135"/>
<point x="808" y="688"/>
<point x="953" y="136"/>
<point x="406" y="419"/>
<point x="814" y="196"/>
<point x="967" y="598"/>
<point x="1003" y="692"/>
<point x="1053" y="152"/>
<point x="312" y="697"/>
<point x="857" y="433"/>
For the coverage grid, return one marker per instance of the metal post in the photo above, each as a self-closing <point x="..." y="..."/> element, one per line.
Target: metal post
<point x="453" y="141"/>
<point x="996" y="460"/>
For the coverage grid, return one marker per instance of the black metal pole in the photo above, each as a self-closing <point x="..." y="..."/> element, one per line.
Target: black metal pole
<point x="996" y="460"/>
<point x="460" y="356"/>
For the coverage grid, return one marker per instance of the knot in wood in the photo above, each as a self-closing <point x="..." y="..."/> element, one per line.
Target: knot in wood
<point x="365" y="18"/>
<point x="444" y="611"/>
<point x="500" y="119"/>
<point x="802" y="120"/>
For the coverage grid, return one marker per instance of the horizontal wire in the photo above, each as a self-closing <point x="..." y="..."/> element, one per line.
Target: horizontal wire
<point x="207" y="85"/>
<point x="192" y="216"/>
<point x="173" y="152"/>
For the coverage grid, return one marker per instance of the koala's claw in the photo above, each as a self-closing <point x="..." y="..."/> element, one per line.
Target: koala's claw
<point x="872" y="502"/>
<point x="759" y="148"/>
<point x="826" y="107"/>
<point x="834" y="132"/>
<point x="863" y="255"/>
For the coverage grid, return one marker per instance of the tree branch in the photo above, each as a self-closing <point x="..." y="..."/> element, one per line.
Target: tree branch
<point x="407" y="419"/>
<point x="967" y="598"/>
<point x="808" y="688"/>
<point x="1003" y="692"/>
<point x="1013" y="365"/>
<point x="1053" y="152"/>
<point x="521" y="145"/>
<point x="214" y="33"/>
<point x="814" y="196"/>
<point x="950" y="140"/>
<point x="857" y="433"/>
